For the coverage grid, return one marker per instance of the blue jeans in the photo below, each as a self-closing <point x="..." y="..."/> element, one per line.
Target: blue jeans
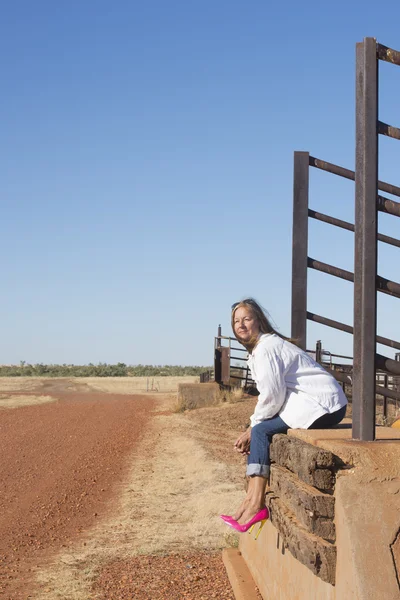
<point x="258" y="461"/>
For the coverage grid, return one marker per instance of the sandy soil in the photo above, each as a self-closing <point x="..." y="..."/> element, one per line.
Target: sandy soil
<point x="99" y="487"/>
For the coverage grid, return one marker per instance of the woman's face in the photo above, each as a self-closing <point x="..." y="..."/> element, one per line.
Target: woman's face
<point x="245" y="325"/>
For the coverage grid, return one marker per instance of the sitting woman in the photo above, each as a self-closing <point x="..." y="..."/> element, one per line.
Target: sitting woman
<point x="295" y="392"/>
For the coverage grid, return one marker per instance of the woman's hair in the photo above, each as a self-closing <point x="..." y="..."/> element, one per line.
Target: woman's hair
<point x="263" y="319"/>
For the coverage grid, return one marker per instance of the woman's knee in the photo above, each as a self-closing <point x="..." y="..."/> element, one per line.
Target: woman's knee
<point x="269" y="427"/>
<point x="259" y="431"/>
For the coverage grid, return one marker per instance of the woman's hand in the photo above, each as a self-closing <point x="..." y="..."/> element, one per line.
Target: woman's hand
<point x="242" y="444"/>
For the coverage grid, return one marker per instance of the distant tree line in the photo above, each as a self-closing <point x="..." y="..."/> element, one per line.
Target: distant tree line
<point x="100" y="370"/>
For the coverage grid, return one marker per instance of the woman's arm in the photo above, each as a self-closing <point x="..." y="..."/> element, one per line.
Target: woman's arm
<point x="269" y="371"/>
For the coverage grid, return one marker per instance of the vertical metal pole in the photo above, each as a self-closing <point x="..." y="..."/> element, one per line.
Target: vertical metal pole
<point x="365" y="266"/>
<point x="385" y="400"/>
<point x="218" y="357"/>
<point x="300" y="248"/>
<point x="318" y="351"/>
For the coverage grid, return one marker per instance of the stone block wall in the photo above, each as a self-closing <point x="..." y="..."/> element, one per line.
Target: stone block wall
<point x="302" y="504"/>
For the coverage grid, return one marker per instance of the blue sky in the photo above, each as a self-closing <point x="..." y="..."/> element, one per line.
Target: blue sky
<point x="147" y="152"/>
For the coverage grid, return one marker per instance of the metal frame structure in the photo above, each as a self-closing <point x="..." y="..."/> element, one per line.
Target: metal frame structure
<point x="224" y="369"/>
<point x="367" y="204"/>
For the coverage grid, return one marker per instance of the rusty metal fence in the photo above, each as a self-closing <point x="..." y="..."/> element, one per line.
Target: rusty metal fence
<point x="344" y="373"/>
<point x="230" y="369"/>
<point x="365" y="278"/>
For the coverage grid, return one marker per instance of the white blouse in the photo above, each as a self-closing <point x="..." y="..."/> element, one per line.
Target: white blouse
<point x="291" y="384"/>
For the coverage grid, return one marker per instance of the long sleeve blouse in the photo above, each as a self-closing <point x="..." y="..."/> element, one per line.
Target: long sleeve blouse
<point x="291" y="384"/>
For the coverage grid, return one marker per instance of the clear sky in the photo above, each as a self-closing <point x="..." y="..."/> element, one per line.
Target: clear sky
<point x="146" y="170"/>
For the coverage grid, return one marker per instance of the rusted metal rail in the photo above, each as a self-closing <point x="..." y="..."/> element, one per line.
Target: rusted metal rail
<point x="348" y="329"/>
<point x="350" y="227"/>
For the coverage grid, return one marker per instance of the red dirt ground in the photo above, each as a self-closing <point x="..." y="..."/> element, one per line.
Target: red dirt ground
<point x="59" y="463"/>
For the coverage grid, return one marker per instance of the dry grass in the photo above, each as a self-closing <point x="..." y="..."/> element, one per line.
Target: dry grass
<point x="112" y="385"/>
<point x="18" y="384"/>
<point x="136" y="385"/>
<point x="19" y="401"/>
<point x="170" y="502"/>
<point x="231" y="396"/>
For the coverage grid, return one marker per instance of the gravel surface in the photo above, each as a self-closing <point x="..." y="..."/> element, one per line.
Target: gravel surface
<point x="59" y="464"/>
<point x="197" y="576"/>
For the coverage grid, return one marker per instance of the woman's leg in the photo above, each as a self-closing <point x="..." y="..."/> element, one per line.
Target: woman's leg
<point x="258" y="465"/>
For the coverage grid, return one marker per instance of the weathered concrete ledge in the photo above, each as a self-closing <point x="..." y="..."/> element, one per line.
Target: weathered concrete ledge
<point x="277" y="573"/>
<point x="291" y="560"/>
<point x="367" y="511"/>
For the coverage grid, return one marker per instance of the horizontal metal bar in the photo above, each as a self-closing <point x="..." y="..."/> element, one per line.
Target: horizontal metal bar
<point x="386" y="286"/>
<point x="388" y="130"/>
<point x="345" y="368"/>
<point x="340" y="376"/>
<point x="388" y="240"/>
<point x="386" y="392"/>
<point x="330" y="269"/>
<point x="243" y="378"/>
<point x="387" y="364"/>
<point x="388" y="206"/>
<point x="379" y="389"/>
<point x="387" y="54"/>
<point x="219" y="338"/>
<point x="350" y="227"/>
<point x="238" y="358"/>
<point x="226" y="337"/>
<point x="329" y="322"/>
<point x="327" y="353"/>
<point x="330" y="220"/>
<point x="348" y="329"/>
<point x="331" y="168"/>
<point x="348" y="174"/>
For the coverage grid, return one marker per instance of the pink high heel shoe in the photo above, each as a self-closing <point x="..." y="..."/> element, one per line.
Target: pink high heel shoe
<point x="260" y="517"/>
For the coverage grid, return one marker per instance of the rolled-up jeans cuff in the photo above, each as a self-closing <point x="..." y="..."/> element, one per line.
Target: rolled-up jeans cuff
<point x="260" y="470"/>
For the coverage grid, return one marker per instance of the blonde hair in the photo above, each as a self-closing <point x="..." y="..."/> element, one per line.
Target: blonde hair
<point x="262" y="318"/>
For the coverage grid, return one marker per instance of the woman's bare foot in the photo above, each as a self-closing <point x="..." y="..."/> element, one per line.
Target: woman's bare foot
<point x="254" y="500"/>
<point x="250" y="512"/>
<point x="241" y="509"/>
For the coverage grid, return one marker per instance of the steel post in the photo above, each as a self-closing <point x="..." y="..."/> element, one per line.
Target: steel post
<point x="299" y="248"/>
<point x="366" y="189"/>
<point x="318" y="351"/>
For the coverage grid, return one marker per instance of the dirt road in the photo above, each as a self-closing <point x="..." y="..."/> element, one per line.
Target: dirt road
<point x="59" y="463"/>
<point x="114" y="496"/>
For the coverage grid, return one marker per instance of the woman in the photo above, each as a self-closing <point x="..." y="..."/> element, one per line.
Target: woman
<point x="295" y="392"/>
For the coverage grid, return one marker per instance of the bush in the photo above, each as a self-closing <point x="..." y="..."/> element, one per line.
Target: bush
<point x="100" y="370"/>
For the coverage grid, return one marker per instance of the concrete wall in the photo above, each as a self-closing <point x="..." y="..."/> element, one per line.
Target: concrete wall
<point x="334" y="529"/>
<point x="197" y="395"/>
